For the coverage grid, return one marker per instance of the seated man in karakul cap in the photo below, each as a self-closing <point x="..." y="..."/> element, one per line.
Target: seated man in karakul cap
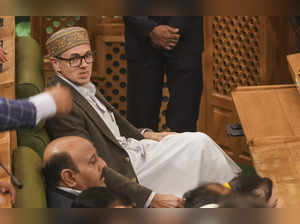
<point x="167" y="163"/>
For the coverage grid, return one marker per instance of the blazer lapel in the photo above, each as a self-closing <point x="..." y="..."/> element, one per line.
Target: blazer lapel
<point x="91" y="113"/>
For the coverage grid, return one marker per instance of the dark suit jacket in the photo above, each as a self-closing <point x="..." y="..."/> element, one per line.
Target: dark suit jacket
<point x="16" y="114"/>
<point x="138" y="44"/>
<point x="57" y="198"/>
<point x="84" y="121"/>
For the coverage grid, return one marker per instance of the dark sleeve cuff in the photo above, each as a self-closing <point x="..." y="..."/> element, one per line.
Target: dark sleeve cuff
<point x="124" y="186"/>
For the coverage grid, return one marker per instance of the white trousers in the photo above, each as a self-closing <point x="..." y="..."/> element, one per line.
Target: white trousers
<point x="179" y="163"/>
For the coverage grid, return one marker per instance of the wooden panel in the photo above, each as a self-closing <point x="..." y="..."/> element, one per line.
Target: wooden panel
<point x="239" y="51"/>
<point x="7" y="90"/>
<point x="6" y="26"/>
<point x="8" y="74"/>
<point x="4" y="152"/>
<point x="5" y="159"/>
<point x="278" y="159"/>
<point x="268" y="110"/>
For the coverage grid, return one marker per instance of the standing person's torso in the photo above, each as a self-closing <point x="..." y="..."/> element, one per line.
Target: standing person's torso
<point x="191" y="40"/>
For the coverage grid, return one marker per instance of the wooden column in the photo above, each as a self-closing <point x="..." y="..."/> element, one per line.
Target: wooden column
<point x="240" y="51"/>
<point x="7" y="89"/>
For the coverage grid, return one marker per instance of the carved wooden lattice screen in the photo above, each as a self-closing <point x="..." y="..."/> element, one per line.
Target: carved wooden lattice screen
<point x="236" y="54"/>
<point x="239" y="51"/>
<point x="111" y="71"/>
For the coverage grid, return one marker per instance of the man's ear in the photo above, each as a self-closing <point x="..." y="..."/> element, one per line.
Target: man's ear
<point x="68" y="178"/>
<point x="55" y="64"/>
<point x="260" y="192"/>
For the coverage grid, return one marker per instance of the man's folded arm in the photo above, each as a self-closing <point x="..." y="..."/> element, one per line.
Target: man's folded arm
<point x="141" y="26"/>
<point x="122" y="185"/>
<point x="71" y="125"/>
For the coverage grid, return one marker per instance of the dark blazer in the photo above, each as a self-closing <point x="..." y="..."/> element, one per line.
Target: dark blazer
<point x="84" y="121"/>
<point x="138" y="44"/>
<point x="57" y="198"/>
<point x="16" y="114"/>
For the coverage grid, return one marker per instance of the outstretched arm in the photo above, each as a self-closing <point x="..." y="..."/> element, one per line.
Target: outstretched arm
<point x="27" y="113"/>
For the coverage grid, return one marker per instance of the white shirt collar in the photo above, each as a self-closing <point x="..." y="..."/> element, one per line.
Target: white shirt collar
<point x="87" y="90"/>
<point x="211" y="205"/>
<point x="70" y="190"/>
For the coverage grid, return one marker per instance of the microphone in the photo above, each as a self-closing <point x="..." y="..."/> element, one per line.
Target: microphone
<point x="14" y="180"/>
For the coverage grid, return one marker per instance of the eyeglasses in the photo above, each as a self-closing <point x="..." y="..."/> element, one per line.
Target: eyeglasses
<point x="76" y="60"/>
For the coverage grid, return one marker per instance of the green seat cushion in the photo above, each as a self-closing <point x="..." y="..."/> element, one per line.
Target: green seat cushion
<point x="247" y="169"/>
<point x="35" y="139"/>
<point x="29" y="69"/>
<point x="29" y="65"/>
<point x="27" y="168"/>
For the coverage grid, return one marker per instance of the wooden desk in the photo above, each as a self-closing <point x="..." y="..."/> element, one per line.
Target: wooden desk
<point x="270" y="116"/>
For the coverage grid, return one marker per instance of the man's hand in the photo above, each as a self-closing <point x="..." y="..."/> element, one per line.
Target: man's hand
<point x="166" y="201"/>
<point x="165" y="37"/>
<point x="157" y="136"/>
<point x="7" y="188"/>
<point x="3" y="54"/>
<point x="62" y="97"/>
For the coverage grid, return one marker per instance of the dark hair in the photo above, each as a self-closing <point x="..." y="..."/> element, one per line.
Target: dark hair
<point x="205" y="194"/>
<point x="248" y="184"/>
<point x="52" y="168"/>
<point x="237" y="200"/>
<point x="100" y="197"/>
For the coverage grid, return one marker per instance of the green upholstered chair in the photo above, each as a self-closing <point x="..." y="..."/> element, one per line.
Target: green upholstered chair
<point x="27" y="158"/>
<point x="27" y="168"/>
<point x="29" y="82"/>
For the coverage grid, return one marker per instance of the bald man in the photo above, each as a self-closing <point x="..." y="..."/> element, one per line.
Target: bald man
<point x="68" y="170"/>
<point x="71" y="165"/>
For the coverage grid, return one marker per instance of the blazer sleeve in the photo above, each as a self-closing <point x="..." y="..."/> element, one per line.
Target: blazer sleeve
<point x="123" y="186"/>
<point x="16" y="114"/>
<point x="72" y="124"/>
<point x="140" y="25"/>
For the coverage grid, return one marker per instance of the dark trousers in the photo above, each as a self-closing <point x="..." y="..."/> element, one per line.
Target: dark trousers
<point x="144" y="91"/>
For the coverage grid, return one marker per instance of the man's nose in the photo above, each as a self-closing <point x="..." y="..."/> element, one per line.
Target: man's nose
<point x="83" y="63"/>
<point x="101" y="164"/>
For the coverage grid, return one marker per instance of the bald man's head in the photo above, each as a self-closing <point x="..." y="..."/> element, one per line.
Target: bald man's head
<point x="73" y="162"/>
<point x="66" y="145"/>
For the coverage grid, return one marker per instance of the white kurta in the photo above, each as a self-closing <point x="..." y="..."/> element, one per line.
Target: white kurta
<point x="176" y="164"/>
<point x="181" y="162"/>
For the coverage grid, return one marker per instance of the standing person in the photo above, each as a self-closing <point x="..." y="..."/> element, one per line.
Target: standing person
<point x="164" y="44"/>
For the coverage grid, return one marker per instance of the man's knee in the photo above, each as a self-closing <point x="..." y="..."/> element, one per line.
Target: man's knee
<point x="196" y="137"/>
